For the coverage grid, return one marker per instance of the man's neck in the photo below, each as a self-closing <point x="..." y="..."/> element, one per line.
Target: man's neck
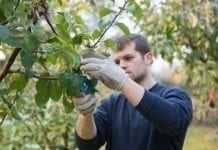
<point x="148" y="83"/>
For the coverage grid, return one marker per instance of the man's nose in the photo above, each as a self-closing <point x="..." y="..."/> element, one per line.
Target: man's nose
<point x="122" y="64"/>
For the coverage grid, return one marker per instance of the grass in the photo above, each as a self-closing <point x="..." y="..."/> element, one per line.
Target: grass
<point x="201" y="137"/>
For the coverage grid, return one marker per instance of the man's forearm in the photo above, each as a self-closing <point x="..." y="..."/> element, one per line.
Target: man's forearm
<point x="85" y="127"/>
<point x="133" y="91"/>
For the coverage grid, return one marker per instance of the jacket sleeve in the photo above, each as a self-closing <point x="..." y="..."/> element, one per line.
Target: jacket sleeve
<point x="102" y="118"/>
<point x="171" y="113"/>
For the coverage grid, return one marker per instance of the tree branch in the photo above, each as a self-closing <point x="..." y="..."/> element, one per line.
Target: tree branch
<point x="8" y="63"/>
<point x="34" y="76"/>
<point x="111" y="24"/>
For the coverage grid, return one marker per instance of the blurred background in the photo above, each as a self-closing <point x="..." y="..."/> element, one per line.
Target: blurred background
<point x="36" y="110"/>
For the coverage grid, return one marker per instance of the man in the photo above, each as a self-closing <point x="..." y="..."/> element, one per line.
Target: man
<point x="143" y="115"/>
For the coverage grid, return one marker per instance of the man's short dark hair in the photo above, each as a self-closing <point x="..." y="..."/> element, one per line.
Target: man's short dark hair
<point x="141" y="44"/>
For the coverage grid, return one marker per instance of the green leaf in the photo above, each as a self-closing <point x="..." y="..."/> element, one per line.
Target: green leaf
<point x="60" y="2"/>
<point x="55" y="90"/>
<point x="78" y="39"/>
<point x="4" y="33"/>
<point x="63" y="33"/>
<point x="30" y="41"/>
<point x="62" y="26"/>
<point x="138" y="12"/>
<point x="105" y="11"/>
<point x="75" y="60"/>
<point x="8" y="6"/>
<point x="102" y="24"/>
<point x="42" y="88"/>
<point x="124" y="28"/>
<point x="27" y="59"/>
<point x="30" y="73"/>
<point x="3" y="111"/>
<point x="20" y="18"/>
<point x="14" y="114"/>
<point x="41" y="99"/>
<point x="18" y="82"/>
<point x="111" y="44"/>
<point x="52" y="47"/>
<point x="135" y="9"/>
<point x="68" y="105"/>
<point x="78" y="19"/>
<point x="7" y="37"/>
<point x="96" y="33"/>
<point x="71" y="82"/>
<point x="40" y="34"/>
<point x="75" y="83"/>
<point x="2" y="16"/>
<point x="52" y="40"/>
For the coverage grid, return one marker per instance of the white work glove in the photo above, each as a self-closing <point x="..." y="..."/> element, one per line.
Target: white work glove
<point x="105" y="70"/>
<point x="85" y="104"/>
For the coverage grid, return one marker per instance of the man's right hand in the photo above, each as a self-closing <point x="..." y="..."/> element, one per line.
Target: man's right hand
<point x="85" y="104"/>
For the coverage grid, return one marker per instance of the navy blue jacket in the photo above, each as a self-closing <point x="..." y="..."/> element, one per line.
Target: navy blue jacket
<point x="158" y="122"/>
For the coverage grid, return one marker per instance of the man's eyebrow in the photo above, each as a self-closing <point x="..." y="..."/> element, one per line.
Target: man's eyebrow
<point x="127" y="55"/>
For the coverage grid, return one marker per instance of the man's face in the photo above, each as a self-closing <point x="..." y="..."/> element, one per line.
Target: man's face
<point x="133" y="63"/>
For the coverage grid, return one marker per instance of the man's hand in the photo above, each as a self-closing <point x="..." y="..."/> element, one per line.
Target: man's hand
<point x="85" y="104"/>
<point x="106" y="71"/>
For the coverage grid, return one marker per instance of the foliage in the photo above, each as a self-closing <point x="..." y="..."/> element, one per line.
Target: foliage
<point x="44" y="41"/>
<point x="187" y="30"/>
<point x="207" y="141"/>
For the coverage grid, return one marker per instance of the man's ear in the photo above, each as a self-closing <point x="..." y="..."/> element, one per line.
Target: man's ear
<point x="148" y="57"/>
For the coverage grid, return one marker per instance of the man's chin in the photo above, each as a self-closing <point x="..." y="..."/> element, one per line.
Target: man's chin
<point x="130" y="75"/>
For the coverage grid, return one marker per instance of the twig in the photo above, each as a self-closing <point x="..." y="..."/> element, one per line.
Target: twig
<point x="66" y="136"/>
<point x="8" y="63"/>
<point x="17" y="4"/>
<point x="49" y="23"/>
<point x="44" y="129"/>
<point x="12" y="104"/>
<point x="111" y="23"/>
<point x="34" y="76"/>
<point x="45" y="14"/>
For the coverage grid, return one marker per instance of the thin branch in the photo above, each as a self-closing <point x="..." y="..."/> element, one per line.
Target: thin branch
<point x="34" y="76"/>
<point x="44" y="129"/>
<point x="17" y="4"/>
<point x="49" y="23"/>
<point x="12" y="104"/>
<point x="8" y="63"/>
<point x="66" y="136"/>
<point x="45" y="78"/>
<point x="111" y="24"/>
<point x="45" y="14"/>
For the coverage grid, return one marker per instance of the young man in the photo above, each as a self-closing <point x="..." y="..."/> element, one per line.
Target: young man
<point x="143" y="115"/>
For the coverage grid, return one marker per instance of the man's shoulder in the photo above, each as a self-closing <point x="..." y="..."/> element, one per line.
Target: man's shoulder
<point x="172" y="89"/>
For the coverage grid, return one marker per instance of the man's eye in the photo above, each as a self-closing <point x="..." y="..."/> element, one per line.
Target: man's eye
<point x="117" y="62"/>
<point x="129" y="58"/>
